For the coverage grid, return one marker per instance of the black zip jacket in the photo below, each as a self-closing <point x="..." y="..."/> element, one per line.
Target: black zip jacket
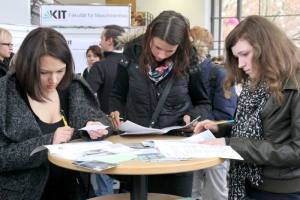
<point x="136" y="96"/>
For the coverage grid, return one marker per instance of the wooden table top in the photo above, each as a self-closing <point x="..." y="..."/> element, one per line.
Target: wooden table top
<point x="140" y="167"/>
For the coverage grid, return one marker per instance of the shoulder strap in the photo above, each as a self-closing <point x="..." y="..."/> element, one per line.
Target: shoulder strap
<point x="161" y="102"/>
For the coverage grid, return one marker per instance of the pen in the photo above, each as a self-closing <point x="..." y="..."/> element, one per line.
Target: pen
<point x="63" y="118"/>
<point x="224" y="122"/>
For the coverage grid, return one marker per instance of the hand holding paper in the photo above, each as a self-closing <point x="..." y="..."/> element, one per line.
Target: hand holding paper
<point x="131" y="128"/>
<point x="95" y="129"/>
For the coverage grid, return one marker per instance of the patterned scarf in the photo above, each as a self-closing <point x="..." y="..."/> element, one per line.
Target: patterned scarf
<point x="248" y="125"/>
<point x="160" y="72"/>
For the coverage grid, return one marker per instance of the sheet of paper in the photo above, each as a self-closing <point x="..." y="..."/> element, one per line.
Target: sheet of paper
<point x="131" y="128"/>
<point x="196" y="138"/>
<point x="189" y="150"/>
<point x="87" y="151"/>
<point x="199" y="137"/>
<point x="93" y="127"/>
<point x="117" y="158"/>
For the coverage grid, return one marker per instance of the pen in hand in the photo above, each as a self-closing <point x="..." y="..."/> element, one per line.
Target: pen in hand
<point x="224" y="122"/>
<point x="64" y="118"/>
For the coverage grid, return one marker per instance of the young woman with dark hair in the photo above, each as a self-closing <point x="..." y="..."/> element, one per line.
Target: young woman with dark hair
<point x="93" y="54"/>
<point x="162" y="54"/>
<point x="36" y="97"/>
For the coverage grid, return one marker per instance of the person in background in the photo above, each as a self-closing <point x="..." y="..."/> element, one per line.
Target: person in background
<point x="211" y="183"/>
<point x="162" y="56"/>
<point x="103" y="73"/>
<point x="93" y="54"/>
<point x="6" y="48"/>
<point x="218" y="60"/>
<point x="266" y="132"/>
<point x="42" y="103"/>
<point x="101" y="78"/>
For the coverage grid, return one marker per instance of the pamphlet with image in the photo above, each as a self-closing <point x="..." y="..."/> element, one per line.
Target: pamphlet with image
<point x="94" y="165"/>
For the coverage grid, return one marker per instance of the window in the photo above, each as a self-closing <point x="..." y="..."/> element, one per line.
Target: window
<point x="284" y="13"/>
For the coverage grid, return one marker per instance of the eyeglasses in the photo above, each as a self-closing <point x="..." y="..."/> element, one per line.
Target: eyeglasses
<point x="7" y="44"/>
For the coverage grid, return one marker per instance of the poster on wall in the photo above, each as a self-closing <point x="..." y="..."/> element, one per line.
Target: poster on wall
<point x="78" y="40"/>
<point x="85" y="15"/>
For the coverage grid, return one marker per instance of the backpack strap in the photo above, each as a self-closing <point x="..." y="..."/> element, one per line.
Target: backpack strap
<point x="161" y="102"/>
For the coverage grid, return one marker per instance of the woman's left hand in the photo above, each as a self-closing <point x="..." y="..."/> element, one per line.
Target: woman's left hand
<point x="187" y="120"/>
<point x="217" y="141"/>
<point x="96" y="133"/>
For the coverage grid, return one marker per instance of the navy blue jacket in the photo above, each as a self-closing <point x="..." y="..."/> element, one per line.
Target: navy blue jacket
<point x="213" y="77"/>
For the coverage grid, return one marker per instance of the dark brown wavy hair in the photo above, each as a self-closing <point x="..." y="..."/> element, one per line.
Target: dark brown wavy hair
<point x="275" y="60"/>
<point x="173" y="28"/>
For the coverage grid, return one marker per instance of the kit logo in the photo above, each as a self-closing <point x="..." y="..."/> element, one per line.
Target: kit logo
<point x="56" y="14"/>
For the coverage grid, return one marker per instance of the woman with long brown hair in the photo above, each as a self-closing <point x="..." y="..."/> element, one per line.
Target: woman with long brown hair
<point x="161" y="56"/>
<point x="266" y="132"/>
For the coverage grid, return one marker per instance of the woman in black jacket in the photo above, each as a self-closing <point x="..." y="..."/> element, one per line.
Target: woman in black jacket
<point x="267" y="121"/>
<point x="163" y="53"/>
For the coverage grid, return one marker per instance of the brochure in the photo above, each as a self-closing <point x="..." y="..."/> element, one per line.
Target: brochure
<point x="94" y="165"/>
<point x="131" y="128"/>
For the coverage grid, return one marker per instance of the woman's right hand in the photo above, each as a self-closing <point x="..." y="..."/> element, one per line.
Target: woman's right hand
<point x="63" y="135"/>
<point x="205" y="125"/>
<point x="115" y="119"/>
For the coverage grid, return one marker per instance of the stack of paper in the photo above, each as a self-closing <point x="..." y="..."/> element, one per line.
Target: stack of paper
<point x="94" y="155"/>
<point x="188" y="150"/>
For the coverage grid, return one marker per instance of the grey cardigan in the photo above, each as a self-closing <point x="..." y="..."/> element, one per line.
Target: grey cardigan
<point x="23" y="176"/>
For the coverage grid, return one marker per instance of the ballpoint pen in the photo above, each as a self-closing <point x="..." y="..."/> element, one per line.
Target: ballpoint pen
<point x="63" y="118"/>
<point x="224" y="122"/>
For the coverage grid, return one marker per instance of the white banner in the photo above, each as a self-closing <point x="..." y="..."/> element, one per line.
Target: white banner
<point x="84" y="15"/>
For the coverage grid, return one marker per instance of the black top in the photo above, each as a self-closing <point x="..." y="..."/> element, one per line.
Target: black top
<point x="4" y="65"/>
<point x="47" y="127"/>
